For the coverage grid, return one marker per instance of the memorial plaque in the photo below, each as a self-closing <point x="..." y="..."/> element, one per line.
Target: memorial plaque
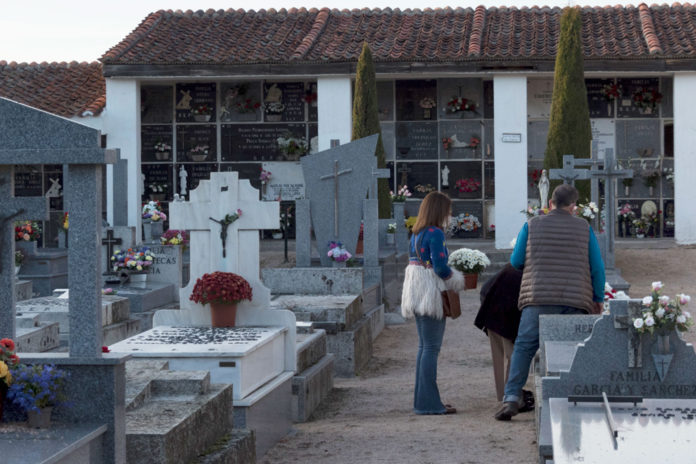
<point x="158" y="182"/>
<point x="150" y="137"/>
<point x="604" y="133"/>
<point x="287" y="182"/>
<point x="156" y="104"/>
<point x="311" y="98"/>
<point x="195" y="143"/>
<point x="197" y="172"/>
<point x="463" y="179"/>
<point x="537" y="133"/>
<point x="28" y="181"/>
<point x="637" y="139"/>
<point x="240" y="101"/>
<point x="469" y="89"/>
<point x="627" y="107"/>
<point x="598" y="103"/>
<point x="416" y="100"/>
<point x="388" y="140"/>
<point x="166" y="265"/>
<point x="284" y="101"/>
<point x="488" y="100"/>
<point x="257" y="142"/>
<point x="539" y="93"/>
<point x="385" y="100"/>
<point x="191" y="98"/>
<point x="421" y="178"/>
<point x="472" y="208"/>
<point x="417" y="140"/>
<point x="464" y="139"/>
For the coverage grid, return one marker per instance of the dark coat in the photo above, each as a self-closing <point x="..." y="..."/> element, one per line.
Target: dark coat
<point x="499" y="311"/>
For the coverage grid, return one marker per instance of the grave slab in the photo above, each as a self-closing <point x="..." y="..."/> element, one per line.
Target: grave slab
<point x="313" y="281"/>
<point x="146" y="296"/>
<point x="341" y="312"/>
<point x="34" y="336"/>
<point x="60" y="444"/>
<point x="23" y="290"/>
<point x="311" y="387"/>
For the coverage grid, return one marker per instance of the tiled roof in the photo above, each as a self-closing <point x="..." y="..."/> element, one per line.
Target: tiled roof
<point x="232" y="37"/>
<point x="66" y="89"/>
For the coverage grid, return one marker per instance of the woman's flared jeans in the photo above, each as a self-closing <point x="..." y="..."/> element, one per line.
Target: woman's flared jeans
<point x="426" y="398"/>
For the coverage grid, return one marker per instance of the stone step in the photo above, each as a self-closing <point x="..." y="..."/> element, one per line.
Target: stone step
<point x="149" y="380"/>
<point x="178" y="429"/>
<point x="238" y="446"/>
<point x="114" y="333"/>
<point x="352" y="348"/>
<point x="311" y="387"/>
<point x="310" y="349"/>
<point x="332" y="312"/>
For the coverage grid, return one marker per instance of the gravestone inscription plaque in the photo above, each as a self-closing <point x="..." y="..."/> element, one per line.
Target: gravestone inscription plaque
<point x="417" y="140"/>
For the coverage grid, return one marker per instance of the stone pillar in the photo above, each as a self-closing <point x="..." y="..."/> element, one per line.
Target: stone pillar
<point x="684" y="157"/>
<point x="401" y="238"/>
<point x="335" y="110"/>
<point x="7" y="247"/>
<point x="84" y="260"/>
<point x="370" y="233"/>
<point x="303" y="237"/>
<point x="510" y="109"/>
<point x="122" y="124"/>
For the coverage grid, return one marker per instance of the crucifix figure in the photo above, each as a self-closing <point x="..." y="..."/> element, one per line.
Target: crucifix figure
<point x="335" y="175"/>
<point x="224" y="223"/>
<point x="110" y="241"/>
<point x="569" y="174"/>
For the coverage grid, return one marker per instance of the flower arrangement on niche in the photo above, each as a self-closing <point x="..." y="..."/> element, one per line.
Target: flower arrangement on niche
<point x="468" y="261"/>
<point x="292" y="146"/>
<point x="265" y="176"/>
<point x="534" y="210"/>
<point x="221" y="287"/>
<point x="337" y="252"/>
<point x="38" y="386"/>
<point x="401" y="194"/>
<point x="200" y="150"/>
<point x="586" y="211"/>
<point x="533" y="175"/>
<point x="626" y="213"/>
<point x="246" y="105"/>
<point x="162" y="147"/>
<point x="474" y="142"/>
<point x="65" y="223"/>
<point x="447" y="143"/>
<point x="646" y="98"/>
<point x="660" y="313"/>
<point x="273" y="108"/>
<point x="425" y="189"/>
<point x="311" y="96"/>
<point x="174" y="237"/>
<point x="612" y="92"/>
<point x="202" y="110"/>
<point x="467" y="185"/>
<point x="427" y="103"/>
<point x="132" y="259"/>
<point x="19" y="257"/>
<point x="28" y="231"/>
<point x="8" y="360"/>
<point x="641" y="227"/>
<point x="152" y="210"/>
<point x="391" y="228"/>
<point x="158" y="187"/>
<point x="464" y="222"/>
<point x="457" y="104"/>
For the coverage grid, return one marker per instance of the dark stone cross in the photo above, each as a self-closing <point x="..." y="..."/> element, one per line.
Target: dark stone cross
<point x="569" y="174"/>
<point x="110" y="241"/>
<point x="334" y="176"/>
<point x="404" y="169"/>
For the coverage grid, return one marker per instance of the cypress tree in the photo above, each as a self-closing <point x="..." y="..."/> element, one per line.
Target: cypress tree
<point x="366" y="120"/>
<point x="570" y="132"/>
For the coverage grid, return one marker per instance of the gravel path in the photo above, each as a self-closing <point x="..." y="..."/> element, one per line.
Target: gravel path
<point x="368" y="418"/>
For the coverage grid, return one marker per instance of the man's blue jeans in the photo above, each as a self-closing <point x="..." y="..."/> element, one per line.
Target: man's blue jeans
<point x="426" y="398"/>
<point x="526" y="346"/>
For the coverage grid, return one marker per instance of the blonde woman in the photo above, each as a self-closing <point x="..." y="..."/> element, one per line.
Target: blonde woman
<point x="427" y="275"/>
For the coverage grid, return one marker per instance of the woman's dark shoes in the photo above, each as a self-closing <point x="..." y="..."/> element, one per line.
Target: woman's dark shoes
<point x="450" y="410"/>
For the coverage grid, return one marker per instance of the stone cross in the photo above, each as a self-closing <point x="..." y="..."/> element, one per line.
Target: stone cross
<point x="334" y="176"/>
<point x="404" y="169"/>
<point x="222" y="195"/>
<point x="110" y="241"/>
<point x="623" y="319"/>
<point x="378" y="174"/>
<point x="569" y="174"/>
<point x="12" y="209"/>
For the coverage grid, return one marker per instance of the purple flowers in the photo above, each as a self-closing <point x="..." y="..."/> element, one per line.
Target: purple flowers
<point x="337" y="252"/>
<point x="38" y="386"/>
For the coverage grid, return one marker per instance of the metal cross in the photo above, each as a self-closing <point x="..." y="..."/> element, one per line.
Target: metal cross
<point x="335" y="175"/>
<point x="569" y="174"/>
<point x="110" y="241"/>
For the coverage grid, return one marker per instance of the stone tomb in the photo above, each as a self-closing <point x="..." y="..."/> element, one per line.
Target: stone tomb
<point x="627" y="367"/>
<point x="46" y="268"/>
<point x="262" y="383"/>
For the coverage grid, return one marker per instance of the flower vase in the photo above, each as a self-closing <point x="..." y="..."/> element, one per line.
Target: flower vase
<point x="223" y="314"/>
<point x="427" y="114"/>
<point x="662" y="343"/>
<point x="62" y="238"/>
<point x="162" y="155"/>
<point x="470" y="281"/>
<point x="137" y="277"/>
<point x="17" y="268"/>
<point x="338" y="264"/>
<point x="40" y="419"/>
<point x="638" y="235"/>
<point x="152" y="231"/>
<point x="273" y="117"/>
<point x="157" y="196"/>
<point x="390" y="239"/>
<point x="651" y="190"/>
<point x="627" y="190"/>
<point x="201" y="117"/>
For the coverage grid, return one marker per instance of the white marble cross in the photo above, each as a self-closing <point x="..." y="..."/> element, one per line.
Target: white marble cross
<point x="223" y="194"/>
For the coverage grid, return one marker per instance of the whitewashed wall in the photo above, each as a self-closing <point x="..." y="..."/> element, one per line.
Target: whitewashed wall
<point x="684" y="157"/>
<point x="335" y="110"/>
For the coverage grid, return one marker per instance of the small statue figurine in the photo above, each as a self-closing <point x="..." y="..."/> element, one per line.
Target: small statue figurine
<point x="544" y="189"/>
<point x="445" y="176"/>
<point x="182" y="181"/>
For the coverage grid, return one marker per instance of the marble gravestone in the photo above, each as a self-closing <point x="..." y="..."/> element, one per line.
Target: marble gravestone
<point x="337" y="183"/>
<point x="95" y="422"/>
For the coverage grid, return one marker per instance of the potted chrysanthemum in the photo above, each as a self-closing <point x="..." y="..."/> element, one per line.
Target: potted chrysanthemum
<point x="8" y="359"/>
<point x="223" y="291"/>
<point x="470" y="262"/>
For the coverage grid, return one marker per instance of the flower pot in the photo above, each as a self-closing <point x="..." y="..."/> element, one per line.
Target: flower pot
<point x="157" y="196"/>
<point x="137" y="277"/>
<point x="277" y="235"/>
<point x="274" y="117"/>
<point x="390" y="239"/>
<point x="17" y="268"/>
<point x="198" y="157"/>
<point x="627" y="190"/>
<point x="427" y="114"/>
<point x="640" y="235"/>
<point x="40" y="419"/>
<point x="651" y="191"/>
<point x="470" y="281"/>
<point x="152" y="231"/>
<point x="223" y="314"/>
<point x="201" y="117"/>
<point x="338" y="264"/>
<point x="162" y="155"/>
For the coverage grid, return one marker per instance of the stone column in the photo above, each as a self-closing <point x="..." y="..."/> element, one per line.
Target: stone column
<point x="370" y="233"/>
<point x="401" y="238"/>
<point x="684" y="157"/>
<point x="7" y="251"/>
<point x="335" y="110"/>
<point x="510" y="109"/>
<point x="303" y="237"/>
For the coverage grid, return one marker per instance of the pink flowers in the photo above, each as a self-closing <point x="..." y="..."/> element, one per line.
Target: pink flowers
<point x="337" y="252"/>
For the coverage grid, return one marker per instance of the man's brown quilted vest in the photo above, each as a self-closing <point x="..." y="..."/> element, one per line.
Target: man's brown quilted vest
<point x="557" y="267"/>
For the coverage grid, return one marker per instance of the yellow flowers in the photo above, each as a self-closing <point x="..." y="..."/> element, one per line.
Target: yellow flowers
<point x="4" y="370"/>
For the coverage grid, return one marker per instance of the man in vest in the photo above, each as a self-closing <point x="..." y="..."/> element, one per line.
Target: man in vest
<point x="563" y="273"/>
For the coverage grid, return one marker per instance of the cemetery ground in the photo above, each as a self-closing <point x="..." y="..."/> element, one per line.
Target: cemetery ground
<point x="368" y="418"/>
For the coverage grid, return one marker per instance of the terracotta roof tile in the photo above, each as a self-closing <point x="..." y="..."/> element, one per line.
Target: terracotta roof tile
<point x="441" y="34"/>
<point x="65" y="89"/>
